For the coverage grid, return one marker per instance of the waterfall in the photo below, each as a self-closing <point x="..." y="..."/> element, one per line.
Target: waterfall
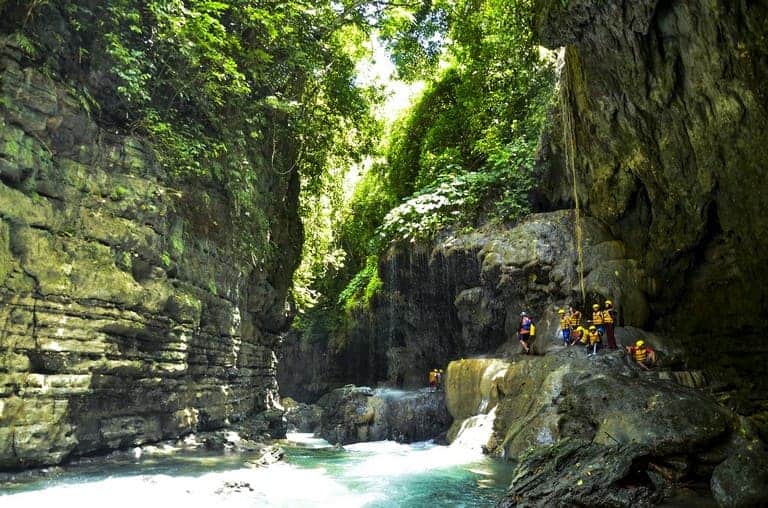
<point x="473" y="390"/>
<point x="475" y="432"/>
<point x="569" y="147"/>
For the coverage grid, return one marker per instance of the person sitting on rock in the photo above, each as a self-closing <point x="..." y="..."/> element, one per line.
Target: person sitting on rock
<point x="593" y="337"/>
<point x="565" y="327"/>
<point x="525" y="332"/>
<point x="597" y="318"/>
<point x="579" y="335"/>
<point x="574" y="316"/>
<point x="644" y="356"/>
<point x="609" y="322"/>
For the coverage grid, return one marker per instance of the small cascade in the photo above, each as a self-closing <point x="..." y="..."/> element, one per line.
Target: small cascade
<point x="475" y="432"/>
<point x="569" y="144"/>
<point x="473" y="389"/>
<point x="392" y="283"/>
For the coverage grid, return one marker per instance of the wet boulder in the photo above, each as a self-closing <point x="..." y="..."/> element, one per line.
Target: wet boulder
<point x="742" y="478"/>
<point x="353" y="414"/>
<point x="590" y="431"/>
<point x="301" y="417"/>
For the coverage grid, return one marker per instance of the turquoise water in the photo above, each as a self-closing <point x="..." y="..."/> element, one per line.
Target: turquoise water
<point x="380" y="474"/>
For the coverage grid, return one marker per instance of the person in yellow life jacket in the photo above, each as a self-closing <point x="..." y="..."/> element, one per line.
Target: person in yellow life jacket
<point x="609" y="323"/>
<point x="433" y="380"/>
<point x="579" y="335"/>
<point x="574" y="316"/>
<point x="594" y="340"/>
<point x="597" y="318"/>
<point x="565" y="327"/>
<point x="644" y="356"/>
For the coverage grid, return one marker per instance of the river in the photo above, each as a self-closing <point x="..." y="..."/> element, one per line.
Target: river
<point x="312" y="474"/>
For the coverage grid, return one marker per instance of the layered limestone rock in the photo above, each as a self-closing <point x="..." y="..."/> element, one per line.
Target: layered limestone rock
<point x="125" y="316"/>
<point x="670" y="110"/>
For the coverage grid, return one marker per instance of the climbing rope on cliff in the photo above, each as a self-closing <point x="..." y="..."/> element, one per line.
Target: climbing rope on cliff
<point x="569" y="144"/>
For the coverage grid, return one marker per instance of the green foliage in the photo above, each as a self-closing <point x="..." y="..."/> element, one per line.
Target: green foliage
<point x="118" y="193"/>
<point x="24" y="43"/>
<point x="465" y="150"/>
<point x="463" y="154"/>
<point x="234" y="93"/>
<point x="362" y="287"/>
<point x="460" y="198"/>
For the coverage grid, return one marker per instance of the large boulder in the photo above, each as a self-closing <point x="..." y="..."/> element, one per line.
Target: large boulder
<point x="354" y="414"/>
<point x="592" y="431"/>
<point x="301" y="417"/>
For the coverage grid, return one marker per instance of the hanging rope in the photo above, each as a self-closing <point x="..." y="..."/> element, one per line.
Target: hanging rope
<point x="569" y="143"/>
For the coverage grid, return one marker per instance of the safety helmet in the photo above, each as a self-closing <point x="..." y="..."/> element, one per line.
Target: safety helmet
<point x="561" y="311"/>
<point x="523" y="313"/>
<point x="640" y="343"/>
<point x="608" y="302"/>
<point x="593" y="327"/>
<point x="595" y="306"/>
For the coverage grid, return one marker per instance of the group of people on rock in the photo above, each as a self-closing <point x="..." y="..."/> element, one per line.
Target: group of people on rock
<point x="602" y="324"/>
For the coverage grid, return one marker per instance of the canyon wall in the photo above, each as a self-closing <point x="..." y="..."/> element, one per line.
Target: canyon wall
<point x="670" y="117"/>
<point x="127" y="315"/>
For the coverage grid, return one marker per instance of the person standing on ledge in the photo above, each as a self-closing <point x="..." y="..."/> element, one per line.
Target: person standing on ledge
<point x="433" y="380"/>
<point x="593" y="340"/>
<point x="609" y="323"/>
<point x="525" y="331"/>
<point x="597" y="318"/>
<point x="574" y="316"/>
<point x="565" y="327"/>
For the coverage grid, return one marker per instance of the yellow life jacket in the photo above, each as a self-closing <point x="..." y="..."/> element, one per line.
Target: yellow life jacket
<point x="608" y="316"/>
<point x="433" y="377"/>
<point x="640" y="353"/>
<point x="597" y="318"/>
<point x="575" y="319"/>
<point x="565" y="322"/>
<point x="594" y="337"/>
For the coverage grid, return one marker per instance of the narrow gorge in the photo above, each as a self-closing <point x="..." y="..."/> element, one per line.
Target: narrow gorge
<point x="212" y="237"/>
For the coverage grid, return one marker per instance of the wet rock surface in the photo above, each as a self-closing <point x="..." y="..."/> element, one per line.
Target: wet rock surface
<point x="600" y="431"/>
<point x="240" y="439"/>
<point x="301" y="417"/>
<point x="355" y="414"/>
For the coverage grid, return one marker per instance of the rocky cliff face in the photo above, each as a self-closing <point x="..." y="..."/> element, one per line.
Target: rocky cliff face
<point x="462" y="296"/>
<point x="670" y="121"/>
<point x="670" y="111"/>
<point x="602" y="432"/>
<point x="125" y="315"/>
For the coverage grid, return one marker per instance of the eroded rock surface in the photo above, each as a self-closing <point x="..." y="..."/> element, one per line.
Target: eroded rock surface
<point x="602" y="432"/>
<point x="125" y="315"/>
<point x="669" y="116"/>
